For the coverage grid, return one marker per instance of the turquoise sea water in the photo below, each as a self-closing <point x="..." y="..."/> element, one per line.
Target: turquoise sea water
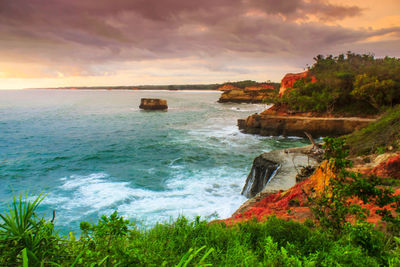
<point x="93" y="152"/>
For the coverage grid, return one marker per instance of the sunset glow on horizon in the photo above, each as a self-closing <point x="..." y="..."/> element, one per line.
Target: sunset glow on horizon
<point x="64" y="43"/>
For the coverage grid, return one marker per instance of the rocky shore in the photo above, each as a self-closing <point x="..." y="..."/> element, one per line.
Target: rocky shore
<point x="277" y="170"/>
<point x="274" y="125"/>
<point x="292" y="203"/>
<point x="272" y="186"/>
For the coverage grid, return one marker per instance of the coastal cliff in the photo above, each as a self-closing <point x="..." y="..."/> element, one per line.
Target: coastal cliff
<point x="280" y="120"/>
<point x="250" y="94"/>
<point x="289" y="79"/>
<point x="288" y="196"/>
<point x="292" y="203"/>
<point x="274" y="125"/>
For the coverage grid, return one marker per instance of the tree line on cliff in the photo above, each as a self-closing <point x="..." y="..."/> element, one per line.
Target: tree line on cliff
<point x="348" y="83"/>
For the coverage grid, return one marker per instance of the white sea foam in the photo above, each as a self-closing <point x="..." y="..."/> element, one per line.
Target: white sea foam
<point x="203" y="194"/>
<point x="206" y="193"/>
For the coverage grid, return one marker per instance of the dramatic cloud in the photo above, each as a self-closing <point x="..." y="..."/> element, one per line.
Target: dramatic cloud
<point x="62" y="38"/>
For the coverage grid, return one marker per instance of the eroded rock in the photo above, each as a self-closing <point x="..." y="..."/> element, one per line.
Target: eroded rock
<point x="153" y="104"/>
<point x="276" y="170"/>
<point x="275" y="125"/>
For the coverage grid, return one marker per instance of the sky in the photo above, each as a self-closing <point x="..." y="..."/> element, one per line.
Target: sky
<point x="56" y="43"/>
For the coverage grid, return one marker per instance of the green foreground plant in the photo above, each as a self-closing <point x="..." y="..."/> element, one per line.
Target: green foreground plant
<point x="115" y="241"/>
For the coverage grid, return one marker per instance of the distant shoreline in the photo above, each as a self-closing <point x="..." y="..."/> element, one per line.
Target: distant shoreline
<point x="123" y="89"/>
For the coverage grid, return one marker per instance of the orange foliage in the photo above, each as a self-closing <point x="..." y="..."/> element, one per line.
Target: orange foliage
<point x="388" y="168"/>
<point x="292" y="204"/>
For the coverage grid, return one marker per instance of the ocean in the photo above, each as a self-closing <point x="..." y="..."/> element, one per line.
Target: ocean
<point x="93" y="152"/>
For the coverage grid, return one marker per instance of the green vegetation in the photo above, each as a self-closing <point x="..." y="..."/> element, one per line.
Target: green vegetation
<point x="334" y="208"/>
<point x="348" y="84"/>
<point x="379" y="136"/>
<point x="114" y="241"/>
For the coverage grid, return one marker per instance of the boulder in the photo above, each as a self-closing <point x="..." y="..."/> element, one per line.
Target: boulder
<point x="153" y="104"/>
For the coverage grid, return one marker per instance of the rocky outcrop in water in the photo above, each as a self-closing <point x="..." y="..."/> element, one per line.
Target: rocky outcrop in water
<point x="153" y="104"/>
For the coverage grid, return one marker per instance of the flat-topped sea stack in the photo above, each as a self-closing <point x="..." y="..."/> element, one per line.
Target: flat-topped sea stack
<point x="153" y="104"/>
<point x="250" y="94"/>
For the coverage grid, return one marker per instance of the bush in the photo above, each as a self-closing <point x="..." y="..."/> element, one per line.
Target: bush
<point x="114" y="241"/>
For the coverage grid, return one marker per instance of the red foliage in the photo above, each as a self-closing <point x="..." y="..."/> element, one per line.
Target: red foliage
<point x="388" y="168"/>
<point x="292" y="204"/>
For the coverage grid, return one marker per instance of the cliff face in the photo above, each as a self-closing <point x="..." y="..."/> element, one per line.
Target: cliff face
<point x="262" y="171"/>
<point x="290" y="78"/>
<point x="228" y="87"/>
<point x="250" y="94"/>
<point x="274" y="125"/>
<point x="276" y="170"/>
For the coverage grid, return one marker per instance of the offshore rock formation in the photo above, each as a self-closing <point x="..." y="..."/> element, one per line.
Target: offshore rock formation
<point x="153" y="104"/>
<point x="277" y="170"/>
<point x="267" y="124"/>
<point x="290" y="78"/>
<point x="250" y="94"/>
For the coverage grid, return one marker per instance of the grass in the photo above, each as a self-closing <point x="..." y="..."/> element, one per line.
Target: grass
<point x="378" y="136"/>
<point x="114" y="241"/>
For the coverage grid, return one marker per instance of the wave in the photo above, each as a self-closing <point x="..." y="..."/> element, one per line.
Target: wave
<point x="214" y="192"/>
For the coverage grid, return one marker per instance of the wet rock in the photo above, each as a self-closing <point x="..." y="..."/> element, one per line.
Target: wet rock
<point x="276" y="170"/>
<point x="262" y="171"/>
